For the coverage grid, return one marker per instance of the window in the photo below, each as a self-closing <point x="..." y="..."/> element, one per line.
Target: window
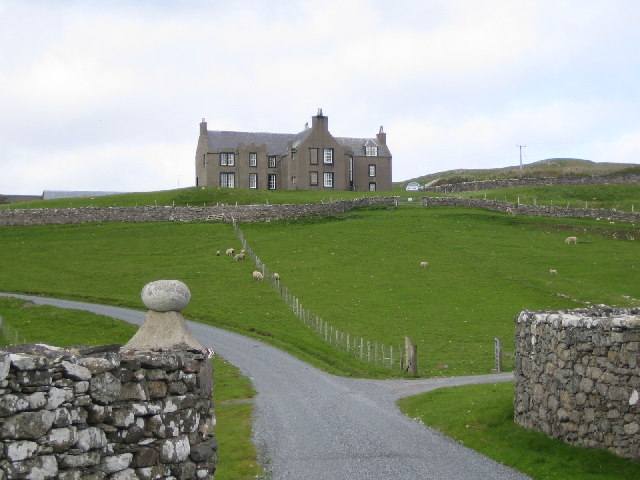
<point x="313" y="178"/>
<point x="253" y="180"/>
<point x="371" y="151"/>
<point x="272" y="161"/>
<point x="253" y="159"/>
<point x="372" y="170"/>
<point x="272" y="181"/>
<point x="328" y="156"/>
<point x="227" y="159"/>
<point x="313" y="156"/>
<point x="228" y="180"/>
<point x="372" y="186"/>
<point x="328" y="179"/>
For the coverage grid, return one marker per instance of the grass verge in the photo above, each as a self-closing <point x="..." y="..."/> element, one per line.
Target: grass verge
<point x="232" y="392"/>
<point x="481" y="417"/>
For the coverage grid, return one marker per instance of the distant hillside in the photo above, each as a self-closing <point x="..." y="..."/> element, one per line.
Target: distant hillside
<point x="552" y="167"/>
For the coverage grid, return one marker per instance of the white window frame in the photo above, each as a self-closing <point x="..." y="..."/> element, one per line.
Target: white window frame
<point x="372" y="186"/>
<point x="328" y="156"/>
<point x="231" y="159"/>
<point x="253" y="180"/>
<point x="372" y="170"/>
<point x="228" y="179"/>
<point x="328" y="180"/>
<point x="272" y="161"/>
<point x="272" y="183"/>
<point x="223" y="159"/>
<point x="371" y="151"/>
<point x="253" y="159"/>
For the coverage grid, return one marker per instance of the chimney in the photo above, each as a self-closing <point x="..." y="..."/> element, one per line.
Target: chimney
<point x="306" y="125"/>
<point x="381" y="137"/>
<point x="203" y="127"/>
<point x="320" y="122"/>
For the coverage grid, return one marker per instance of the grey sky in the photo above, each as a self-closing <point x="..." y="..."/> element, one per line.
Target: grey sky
<point x="107" y="95"/>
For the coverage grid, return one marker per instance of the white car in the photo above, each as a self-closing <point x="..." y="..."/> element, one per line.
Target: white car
<point x="412" y="187"/>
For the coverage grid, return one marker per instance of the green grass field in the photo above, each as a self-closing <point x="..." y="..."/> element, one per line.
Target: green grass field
<point x="232" y="392"/>
<point x="359" y="271"/>
<point x="481" y="417"/>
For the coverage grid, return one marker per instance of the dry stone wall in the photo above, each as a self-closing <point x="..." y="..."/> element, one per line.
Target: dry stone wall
<point x="577" y="377"/>
<point x="241" y="213"/>
<point x="101" y="413"/>
<point x="630" y="179"/>
<point x="531" y="210"/>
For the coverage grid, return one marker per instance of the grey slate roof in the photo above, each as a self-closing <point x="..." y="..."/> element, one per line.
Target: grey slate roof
<point x="278" y="143"/>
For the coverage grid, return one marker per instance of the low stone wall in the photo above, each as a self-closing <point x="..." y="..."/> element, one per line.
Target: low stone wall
<point x="103" y="413"/>
<point x="576" y="377"/>
<point x="241" y="213"/>
<point x="530" y="210"/>
<point x="631" y="179"/>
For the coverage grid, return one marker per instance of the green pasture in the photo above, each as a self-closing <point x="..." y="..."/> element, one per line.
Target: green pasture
<point x="625" y="198"/>
<point x="359" y="271"/>
<point x="232" y="392"/>
<point x="481" y="417"/>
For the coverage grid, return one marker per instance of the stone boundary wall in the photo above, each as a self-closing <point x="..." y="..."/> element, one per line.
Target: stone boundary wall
<point x="101" y="413"/>
<point x="241" y="213"/>
<point x="576" y="377"/>
<point x="531" y="210"/>
<point x="631" y="179"/>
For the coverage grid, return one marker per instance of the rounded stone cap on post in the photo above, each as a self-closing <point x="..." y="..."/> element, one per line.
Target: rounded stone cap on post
<point x="166" y="296"/>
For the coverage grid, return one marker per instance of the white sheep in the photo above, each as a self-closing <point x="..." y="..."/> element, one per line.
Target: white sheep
<point x="553" y="272"/>
<point x="257" y="275"/>
<point x="424" y="264"/>
<point x="217" y="253"/>
<point x="276" y="277"/>
<point x="239" y="257"/>
<point x="230" y="252"/>
<point x="570" y="240"/>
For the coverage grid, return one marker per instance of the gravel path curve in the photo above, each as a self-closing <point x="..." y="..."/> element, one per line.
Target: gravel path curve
<point x="312" y="425"/>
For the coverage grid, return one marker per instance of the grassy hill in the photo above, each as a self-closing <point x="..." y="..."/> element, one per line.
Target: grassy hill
<point x="359" y="271"/>
<point x="553" y="167"/>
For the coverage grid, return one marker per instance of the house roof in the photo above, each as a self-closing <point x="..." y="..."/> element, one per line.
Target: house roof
<point x="278" y="143"/>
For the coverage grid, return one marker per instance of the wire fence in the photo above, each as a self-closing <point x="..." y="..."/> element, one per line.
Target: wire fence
<point x="379" y="354"/>
<point x="10" y="334"/>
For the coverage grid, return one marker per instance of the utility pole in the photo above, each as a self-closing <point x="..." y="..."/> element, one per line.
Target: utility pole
<point x="521" y="146"/>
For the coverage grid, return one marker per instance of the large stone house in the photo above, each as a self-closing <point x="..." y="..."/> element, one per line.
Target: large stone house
<point x="310" y="160"/>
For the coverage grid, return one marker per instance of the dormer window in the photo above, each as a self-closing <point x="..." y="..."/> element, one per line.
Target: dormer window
<point x="371" y="151"/>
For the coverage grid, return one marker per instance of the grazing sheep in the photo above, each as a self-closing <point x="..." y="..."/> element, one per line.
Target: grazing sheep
<point x="571" y="240"/>
<point x="276" y="277"/>
<point x="230" y="251"/>
<point x="553" y="272"/>
<point x="257" y="275"/>
<point x="239" y="257"/>
<point x="424" y="264"/>
<point x="217" y="253"/>
<point x="243" y="251"/>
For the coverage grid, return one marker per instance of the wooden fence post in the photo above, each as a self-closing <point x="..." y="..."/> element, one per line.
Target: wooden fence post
<point x="411" y="360"/>
<point x="498" y="354"/>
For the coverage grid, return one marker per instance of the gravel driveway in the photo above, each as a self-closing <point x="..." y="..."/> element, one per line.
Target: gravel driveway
<point x="312" y="425"/>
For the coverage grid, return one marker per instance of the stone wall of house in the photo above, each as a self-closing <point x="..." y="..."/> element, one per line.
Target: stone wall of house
<point x="531" y="210"/>
<point x="631" y="179"/>
<point x="241" y="213"/>
<point x="576" y="377"/>
<point x="101" y="412"/>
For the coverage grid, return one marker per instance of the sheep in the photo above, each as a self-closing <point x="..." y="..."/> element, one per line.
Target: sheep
<point x="553" y="272"/>
<point x="276" y="277"/>
<point x="239" y="257"/>
<point x="230" y="252"/>
<point x="424" y="264"/>
<point x="217" y="253"/>
<point x="570" y="240"/>
<point x="257" y="275"/>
